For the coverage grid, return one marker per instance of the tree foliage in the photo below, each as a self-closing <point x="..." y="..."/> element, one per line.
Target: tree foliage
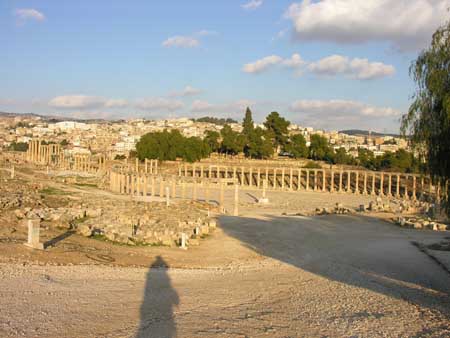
<point x="428" y="118"/>
<point x="319" y="149"/>
<point x="232" y="142"/>
<point x="296" y="146"/>
<point x="18" y="146"/>
<point x="276" y="127"/>
<point x="168" y="146"/>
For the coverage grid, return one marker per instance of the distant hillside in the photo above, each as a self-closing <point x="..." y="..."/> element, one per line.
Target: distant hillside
<point x="51" y="119"/>
<point x="359" y="132"/>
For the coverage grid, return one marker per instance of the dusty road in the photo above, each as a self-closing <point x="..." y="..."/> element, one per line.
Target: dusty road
<point x="314" y="277"/>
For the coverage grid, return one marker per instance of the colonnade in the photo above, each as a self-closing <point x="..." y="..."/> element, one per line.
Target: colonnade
<point x="145" y="185"/>
<point x="43" y="153"/>
<point x="401" y="185"/>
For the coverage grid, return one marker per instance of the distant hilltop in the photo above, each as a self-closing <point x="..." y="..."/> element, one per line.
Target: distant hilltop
<point x="49" y="118"/>
<point x="360" y="132"/>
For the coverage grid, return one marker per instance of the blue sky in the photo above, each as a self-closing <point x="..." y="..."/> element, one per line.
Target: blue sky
<point x="331" y="64"/>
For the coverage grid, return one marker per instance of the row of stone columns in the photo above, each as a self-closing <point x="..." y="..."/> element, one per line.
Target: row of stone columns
<point x="290" y="179"/>
<point x="43" y="153"/>
<point x="142" y="185"/>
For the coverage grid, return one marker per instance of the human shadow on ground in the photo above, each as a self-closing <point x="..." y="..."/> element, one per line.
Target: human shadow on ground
<point x="355" y="250"/>
<point x="157" y="309"/>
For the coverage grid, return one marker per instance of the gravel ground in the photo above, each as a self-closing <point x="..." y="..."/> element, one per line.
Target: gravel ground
<point x="336" y="276"/>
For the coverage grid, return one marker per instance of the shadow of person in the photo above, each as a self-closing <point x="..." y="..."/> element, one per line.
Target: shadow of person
<point x="157" y="319"/>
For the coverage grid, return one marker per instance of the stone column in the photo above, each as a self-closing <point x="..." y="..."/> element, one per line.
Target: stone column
<point x="299" y="179"/>
<point x="422" y="188"/>
<point x="243" y="176"/>
<point x="291" y="179"/>
<point x="201" y="171"/>
<point x="283" y="173"/>
<point x="250" y="177"/>
<point x="33" y="235"/>
<point x="349" y="183"/>
<point x="397" y="193"/>
<point x="153" y="187"/>
<point x="137" y="165"/>
<point x="236" y="200"/>
<point x="315" y="180"/>
<point x="332" y="181"/>
<point x="324" y="180"/>
<point x="414" y="192"/>
<point x="133" y="187"/>
<point x="12" y="172"/>
<point x="167" y="196"/>
<point x="382" y="184"/>
<point x="357" y="183"/>
<point x="373" y="192"/>
<point x="258" y="181"/>
<point x="365" y="183"/>
<point x="307" y="179"/>
<point x="209" y="172"/>
<point x="389" y="192"/>
<point x="234" y="174"/>
<point x="406" y="195"/>
<point x="274" y="178"/>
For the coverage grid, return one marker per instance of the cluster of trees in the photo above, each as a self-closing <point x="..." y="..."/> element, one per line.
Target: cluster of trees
<point x="259" y="143"/>
<point x="18" y="146"/>
<point x="215" y="120"/>
<point x="170" y="145"/>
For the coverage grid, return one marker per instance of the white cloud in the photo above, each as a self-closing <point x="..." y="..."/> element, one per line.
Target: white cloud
<point x="205" y="32"/>
<point x="187" y="91"/>
<point x="295" y="61"/>
<point x="25" y="14"/>
<point x="159" y="104"/>
<point x="335" y="114"/>
<point x="200" y="106"/>
<point x="365" y="70"/>
<point x="230" y="109"/>
<point x="116" y="103"/>
<point x="85" y="102"/>
<point x="188" y="41"/>
<point x="333" y="65"/>
<point x="252" y="4"/>
<point x="360" y="69"/>
<point x="181" y="41"/>
<point x="262" y="64"/>
<point x="77" y="102"/>
<point x="406" y="24"/>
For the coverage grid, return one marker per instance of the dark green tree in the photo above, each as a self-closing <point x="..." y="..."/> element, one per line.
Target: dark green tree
<point x="297" y="146"/>
<point x="248" y="124"/>
<point x="276" y="127"/>
<point x="428" y="118"/>
<point x="232" y="142"/>
<point x="319" y="149"/>
<point x="341" y="157"/>
<point x="212" y="138"/>
<point x="259" y="145"/>
<point x="18" y="146"/>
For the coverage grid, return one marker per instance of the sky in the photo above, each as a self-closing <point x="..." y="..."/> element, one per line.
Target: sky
<point x="329" y="64"/>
